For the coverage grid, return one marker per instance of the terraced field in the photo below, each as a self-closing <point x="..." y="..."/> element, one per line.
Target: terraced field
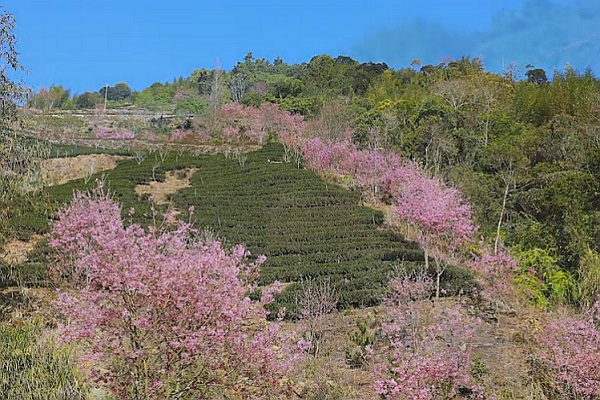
<point x="305" y="226"/>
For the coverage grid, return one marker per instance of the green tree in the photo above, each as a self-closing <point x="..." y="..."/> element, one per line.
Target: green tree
<point x="257" y="75"/>
<point x="321" y="76"/>
<point x="118" y="92"/>
<point x="87" y="100"/>
<point x="533" y="103"/>
<point x="48" y="99"/>
<point x="558" y="202"/>
<point x="589" y="276"/>
<point x="246" y="74"/>
<point x="156" y="96"/>
<point x="365" y="73"/>
<point x="537" y="76"/>
<point x="555" y="284"/>
<point x="19" y="154"/>
<point x="344" y="76"/>
<point x="392" y="85"/>
<point x="202" y="79"/>
<point x="282" y="86"/>
<point x="13" y="93"/>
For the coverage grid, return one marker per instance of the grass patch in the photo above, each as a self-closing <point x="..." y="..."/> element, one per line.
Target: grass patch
<point x="33" y="367"/>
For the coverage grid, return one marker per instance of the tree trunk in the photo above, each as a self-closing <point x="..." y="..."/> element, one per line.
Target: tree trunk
<point x="497" y="241"/>
<point x="438" y="275"/>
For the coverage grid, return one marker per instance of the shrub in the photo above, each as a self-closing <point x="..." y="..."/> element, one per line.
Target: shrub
<point x="363" y="341"/>
<point x="315" y="299"/>
<point x="573" y="351"/>
<point x="589" y="275"/>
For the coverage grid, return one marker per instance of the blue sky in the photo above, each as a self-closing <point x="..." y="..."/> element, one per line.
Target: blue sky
<point x="86" y="44"/>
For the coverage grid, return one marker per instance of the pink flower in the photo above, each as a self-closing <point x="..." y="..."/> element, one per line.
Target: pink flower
<point x="161" y="303"/>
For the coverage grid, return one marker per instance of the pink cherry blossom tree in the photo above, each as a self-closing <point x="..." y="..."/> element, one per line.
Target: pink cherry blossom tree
<point x="255" y="124"/>
<point x="429" y="346"/>
<point x="494" y="271"/>
<point x="442" y="216"/>
<point x="161" y="314"/>
<point x="370" y="167"/>
<point x="572" y="350"/>
<point x="104" y="132"/>
<point x="440" y="212"/>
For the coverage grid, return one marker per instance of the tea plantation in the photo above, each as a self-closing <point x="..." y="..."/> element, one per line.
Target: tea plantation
<point x="305" y="226"/>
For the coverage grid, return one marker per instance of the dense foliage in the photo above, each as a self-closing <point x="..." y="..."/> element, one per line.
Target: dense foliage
<point x="305" y="226"/>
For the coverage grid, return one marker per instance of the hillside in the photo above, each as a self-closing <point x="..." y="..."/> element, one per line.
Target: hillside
<point x="305" y="226"/>
<point x="325" y="168"/>
<point x="329" y="229"/>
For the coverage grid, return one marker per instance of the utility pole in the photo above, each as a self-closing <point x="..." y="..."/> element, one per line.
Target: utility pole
<point x="105" y="96"/>
<point x="215" y="89"/>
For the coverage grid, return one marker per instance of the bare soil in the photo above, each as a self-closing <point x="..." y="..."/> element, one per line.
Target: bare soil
<point x="503" y="346"/>
<point x="15" y="252"/>
<point x="328" y="376"/>
<point x="174" y="181"/>
<point x="62" y="170"/>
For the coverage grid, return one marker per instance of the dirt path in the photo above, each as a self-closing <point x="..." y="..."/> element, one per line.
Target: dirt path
<point x="174" y="181"/>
